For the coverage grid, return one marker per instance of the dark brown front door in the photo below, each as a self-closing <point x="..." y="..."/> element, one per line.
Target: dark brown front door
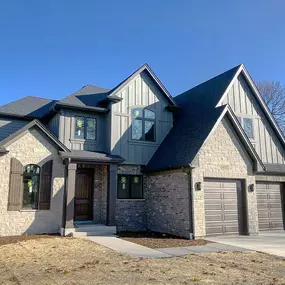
<point x="83" y="195"/>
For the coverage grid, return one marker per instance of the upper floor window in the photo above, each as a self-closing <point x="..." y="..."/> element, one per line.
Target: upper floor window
<point x="31" y="177"/>
<point x="85" y="128"/>
<point x="247" y="125"/>
<point x="143" y="124"/>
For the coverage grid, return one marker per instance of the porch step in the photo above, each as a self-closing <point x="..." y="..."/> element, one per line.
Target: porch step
<point x="91" y="230"/>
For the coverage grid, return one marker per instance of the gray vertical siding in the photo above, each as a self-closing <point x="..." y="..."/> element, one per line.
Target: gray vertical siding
<point x="243" y="103"/>
<point x="9" y="126"/>
<point x="53" y="125"/>
<point x="140" y="92"/>
<point x="67" y="126"/>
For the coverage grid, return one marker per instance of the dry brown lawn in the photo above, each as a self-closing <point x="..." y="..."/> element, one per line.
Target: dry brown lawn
<point x="75" y="261"/>
<point x="157" y="240"/>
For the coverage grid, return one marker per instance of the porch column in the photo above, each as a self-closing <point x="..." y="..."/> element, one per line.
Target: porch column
<point x="112" y="195"/>
<point x="70" y="195"/>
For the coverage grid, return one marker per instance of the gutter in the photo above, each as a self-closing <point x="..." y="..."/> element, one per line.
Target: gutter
<point x="188" y="171"/>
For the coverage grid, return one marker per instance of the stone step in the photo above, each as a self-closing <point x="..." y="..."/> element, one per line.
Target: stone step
<point x="91" y="230"/>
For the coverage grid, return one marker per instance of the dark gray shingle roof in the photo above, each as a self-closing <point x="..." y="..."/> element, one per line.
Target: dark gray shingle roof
<point x="88" y="95"/>
<point x="193" y="123"/>
<point x="185" y="139"/>
<point x="210" y="92"/>
<point x="29" y="106"/>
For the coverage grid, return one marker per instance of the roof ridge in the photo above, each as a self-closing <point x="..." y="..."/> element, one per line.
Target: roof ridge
<point x="37" y="97"/>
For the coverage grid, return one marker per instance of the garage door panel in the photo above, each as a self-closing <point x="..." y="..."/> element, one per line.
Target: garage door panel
<point x="262" y="205"/>
<point x="263" y="215"/>
<point x="277" y="225"/>
<point x="217" y="206"/>
<point x="276" y="205"/>
<point x="230" y="207"/>
<point x="231" y="229"/>
<point x="221" y="209"/>
<point x="214" y="230"/>
<point x="212" y="195"/>
<point x="230" y="217"/>
<point x="214" y="218"/>
<point x="269" y="205"/>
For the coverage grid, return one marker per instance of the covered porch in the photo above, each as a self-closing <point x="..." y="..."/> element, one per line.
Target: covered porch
<point x="91" y="189"/>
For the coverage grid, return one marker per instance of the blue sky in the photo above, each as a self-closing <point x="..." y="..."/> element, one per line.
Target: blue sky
<point x="52" y="48"/>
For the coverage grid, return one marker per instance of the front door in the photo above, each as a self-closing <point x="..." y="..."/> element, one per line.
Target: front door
<point x="83" y="195"/>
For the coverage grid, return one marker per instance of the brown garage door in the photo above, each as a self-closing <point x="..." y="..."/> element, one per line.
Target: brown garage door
<point x="221" y="206"/>
<point x="269" y="205"/>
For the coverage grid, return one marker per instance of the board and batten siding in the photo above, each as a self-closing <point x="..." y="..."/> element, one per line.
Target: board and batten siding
<point x="139" y="92"/>
<point x="53" y="124"/>
<point x="9" y="126"/>
<point x="244" y="104"/>
<point x="67" y="127"/>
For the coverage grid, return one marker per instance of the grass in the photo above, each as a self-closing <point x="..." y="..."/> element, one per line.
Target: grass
<point x="70" y="261"/>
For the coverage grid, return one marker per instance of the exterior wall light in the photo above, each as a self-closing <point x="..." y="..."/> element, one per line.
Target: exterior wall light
<point x="251" y="187"/>
<point x="199" y="186"/>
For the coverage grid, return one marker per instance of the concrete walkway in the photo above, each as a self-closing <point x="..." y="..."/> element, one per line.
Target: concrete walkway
<point x="127" y="247"/>
<point x="137" y="250"/>
<point x="272" y="242"/>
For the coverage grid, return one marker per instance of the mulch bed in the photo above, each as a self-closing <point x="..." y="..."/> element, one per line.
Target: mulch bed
<point x="14" y="239"/>
<point x="158" y="240"/>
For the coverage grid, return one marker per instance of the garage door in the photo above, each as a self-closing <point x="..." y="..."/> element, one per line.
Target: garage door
<point x="221" y="206"/>
<point x="269" y="206"/>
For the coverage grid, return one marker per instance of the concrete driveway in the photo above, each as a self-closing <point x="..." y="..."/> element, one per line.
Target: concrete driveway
<point x="272" y="242"/>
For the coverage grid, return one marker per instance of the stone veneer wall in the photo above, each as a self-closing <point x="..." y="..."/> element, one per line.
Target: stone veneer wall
<point x="130" y="213"/>
<point x="31" y="148"/>
<point x="167" y="203"/>
<point x="223" y="156"/>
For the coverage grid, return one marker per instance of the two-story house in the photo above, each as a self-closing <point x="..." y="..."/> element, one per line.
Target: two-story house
<point x="208" y="161"/>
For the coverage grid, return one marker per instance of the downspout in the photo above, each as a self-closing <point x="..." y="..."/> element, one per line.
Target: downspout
<point x="188" y="171"/>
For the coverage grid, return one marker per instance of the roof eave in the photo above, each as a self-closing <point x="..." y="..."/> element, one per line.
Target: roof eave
<point x="85" y="108"/>
<point x="22" y="117"/>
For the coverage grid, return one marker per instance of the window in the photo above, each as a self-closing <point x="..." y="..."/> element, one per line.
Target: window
<point x="143" y="124"/>
<point x="130" y="187"/>
<point x="248" y="128"/>
<point x="31" y="178"/>
<point x="85" y="128"/>
<point x="247" y="125"/>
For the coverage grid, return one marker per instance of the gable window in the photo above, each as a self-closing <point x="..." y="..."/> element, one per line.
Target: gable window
<point x="143" y="124"/>
<point x="85" y="128"/>
<point x="130" y="187"/>
<point x="247" y="124"/>
<point x="31" y="179"/>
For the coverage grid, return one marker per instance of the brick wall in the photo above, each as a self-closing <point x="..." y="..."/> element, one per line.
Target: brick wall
<point x="130" y="213"/>
<point x="32" y="148"/>
<point x="167" y="203"/>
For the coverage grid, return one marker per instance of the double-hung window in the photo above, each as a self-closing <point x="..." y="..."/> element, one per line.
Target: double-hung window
<point x="85" y="128"/>
<point x="247" y="124"/>
<point x="143" y="124"/>
<point x="130" y="187"/>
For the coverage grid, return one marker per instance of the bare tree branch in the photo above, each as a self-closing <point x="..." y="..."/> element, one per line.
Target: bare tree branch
<point x="273" y="94"/>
